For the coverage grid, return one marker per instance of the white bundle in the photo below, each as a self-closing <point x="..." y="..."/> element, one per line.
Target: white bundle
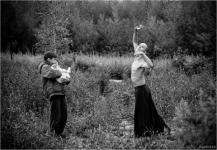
<point x="65" y="73"/>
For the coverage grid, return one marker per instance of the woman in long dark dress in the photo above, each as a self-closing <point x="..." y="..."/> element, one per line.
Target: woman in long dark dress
<point x="147" y="121"/>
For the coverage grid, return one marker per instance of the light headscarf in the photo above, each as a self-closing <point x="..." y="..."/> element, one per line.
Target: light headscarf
<point x="141" y="48"/>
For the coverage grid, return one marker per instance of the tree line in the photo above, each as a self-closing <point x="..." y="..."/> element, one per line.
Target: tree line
<point x="106" y="27"/>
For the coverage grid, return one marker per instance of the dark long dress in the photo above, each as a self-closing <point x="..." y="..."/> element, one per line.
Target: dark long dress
<point x="146" y="118"/>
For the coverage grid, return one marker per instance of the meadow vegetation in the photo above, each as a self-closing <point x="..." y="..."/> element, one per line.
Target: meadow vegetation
<point x="187" y="103"/>
<point x="183" y="87"/>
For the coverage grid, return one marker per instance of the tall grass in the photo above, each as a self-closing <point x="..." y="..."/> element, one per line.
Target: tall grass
<point x="93" y="119"/>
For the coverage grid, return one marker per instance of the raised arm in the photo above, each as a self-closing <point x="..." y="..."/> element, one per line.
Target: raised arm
<point x="135" y="39"/>
<point x="135" y="36"/>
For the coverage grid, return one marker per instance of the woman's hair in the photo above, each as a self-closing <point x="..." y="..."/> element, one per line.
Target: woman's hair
<point x="142" y="47"/>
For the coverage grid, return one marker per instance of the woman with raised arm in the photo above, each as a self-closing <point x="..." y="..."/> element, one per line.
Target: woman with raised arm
<point x="147" y="121"/>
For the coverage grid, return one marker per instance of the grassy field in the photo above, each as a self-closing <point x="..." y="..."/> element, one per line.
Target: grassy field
<point x="187" y="103"/>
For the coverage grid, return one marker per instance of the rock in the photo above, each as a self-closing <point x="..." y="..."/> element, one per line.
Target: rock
<point x="115" y="81"/>
<point x="129" y="127"/>
<point x="123" y="123"/>
<point x="126" y="133"/>
<point x="121" y="128"/>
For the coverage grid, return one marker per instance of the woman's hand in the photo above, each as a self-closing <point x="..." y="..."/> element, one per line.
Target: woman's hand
<point x="148" y="61"/>
<point x="138" y="27"/>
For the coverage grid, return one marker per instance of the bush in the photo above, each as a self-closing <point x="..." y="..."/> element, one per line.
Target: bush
<point x="96" y="106"/>
<point x="115" y="67"/>
<point x="197" y="127"/>
<point x="194" y="65"/>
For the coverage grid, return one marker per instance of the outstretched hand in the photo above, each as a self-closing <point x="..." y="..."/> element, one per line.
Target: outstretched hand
<point x="138" y="27"/>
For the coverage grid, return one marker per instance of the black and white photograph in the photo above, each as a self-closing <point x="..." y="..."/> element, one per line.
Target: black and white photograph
<point x="108" y="74"/>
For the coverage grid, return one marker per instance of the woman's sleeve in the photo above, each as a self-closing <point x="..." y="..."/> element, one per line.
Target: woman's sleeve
<point x="143" y="65"/>
<point x="135" y="40"/>
<point x="135" y="45"/>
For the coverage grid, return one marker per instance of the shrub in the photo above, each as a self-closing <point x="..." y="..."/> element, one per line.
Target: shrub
<point x="194" y="65"/>
<point x="96" y="106"/>
<point x="197" y="128"/>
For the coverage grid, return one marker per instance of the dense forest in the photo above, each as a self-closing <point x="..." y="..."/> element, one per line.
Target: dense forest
<point x="106" y="27"/>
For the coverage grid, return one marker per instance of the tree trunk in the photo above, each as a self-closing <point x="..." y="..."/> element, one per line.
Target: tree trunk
<point x="54" y="41"/>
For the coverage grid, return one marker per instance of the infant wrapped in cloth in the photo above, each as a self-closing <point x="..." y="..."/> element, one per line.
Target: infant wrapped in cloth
<point x="65" y="78"/>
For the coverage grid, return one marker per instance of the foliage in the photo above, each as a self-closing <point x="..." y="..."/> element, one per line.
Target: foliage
<point x="93" y="119"/>
<point x="197" y="32"/>
<point x="53" y="34"/>
<point x="106" y="27"/>
<point x="199" y="124"/>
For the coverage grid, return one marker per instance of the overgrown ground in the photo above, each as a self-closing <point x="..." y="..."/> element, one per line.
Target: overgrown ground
<point x="187" y="103"/>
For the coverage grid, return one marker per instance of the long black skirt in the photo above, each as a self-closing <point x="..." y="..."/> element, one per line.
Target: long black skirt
<point x="147" y="121"/>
